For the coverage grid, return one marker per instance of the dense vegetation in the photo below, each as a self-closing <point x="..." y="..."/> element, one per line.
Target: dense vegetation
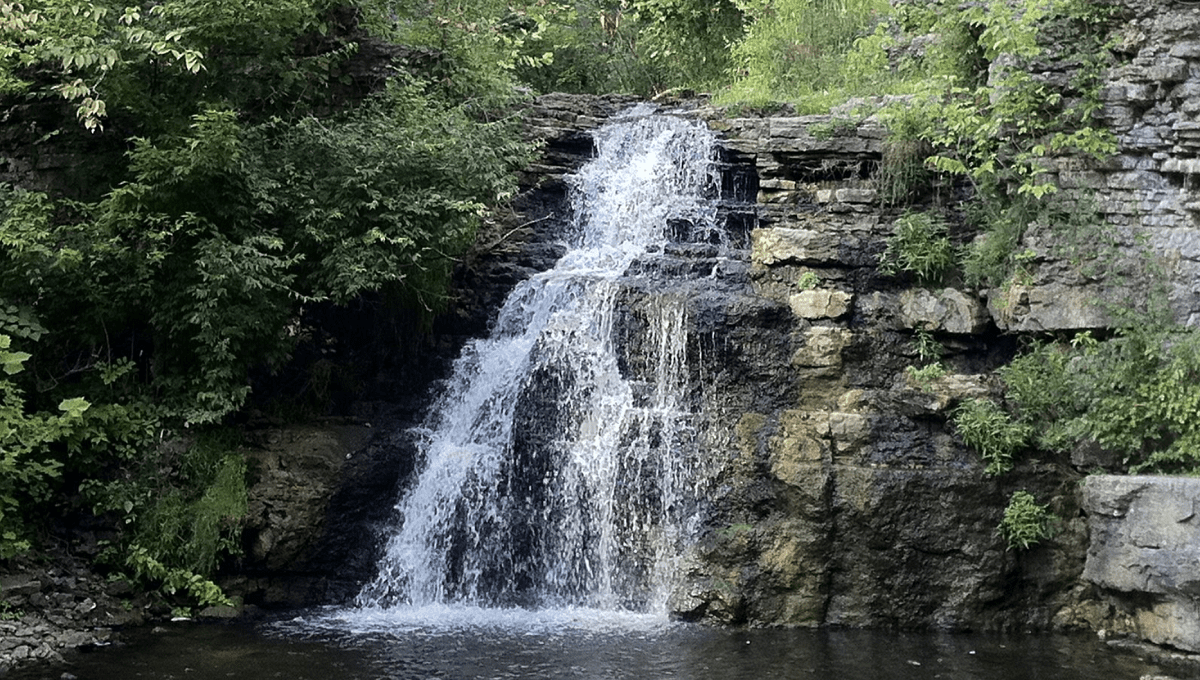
<point x="258" y="179"/>
<point x="287" y="153"/>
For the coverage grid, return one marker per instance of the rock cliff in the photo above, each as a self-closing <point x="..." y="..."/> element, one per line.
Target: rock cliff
<point x="839" y="493"/>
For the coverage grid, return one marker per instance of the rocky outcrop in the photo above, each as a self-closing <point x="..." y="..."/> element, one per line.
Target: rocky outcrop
<point x="1143" y="553"/>
<point x="1145" y="195"/>
<point x="48" y="610"/>
<point x="319" y="496"/>
<point x="843" y="497"/>
<point x="848" y="498"/>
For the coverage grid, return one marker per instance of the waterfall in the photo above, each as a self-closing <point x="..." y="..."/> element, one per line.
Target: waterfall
<point x="557" y="470"/>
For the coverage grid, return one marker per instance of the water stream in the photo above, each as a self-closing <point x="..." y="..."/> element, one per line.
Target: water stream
<point x="555" y="477"/>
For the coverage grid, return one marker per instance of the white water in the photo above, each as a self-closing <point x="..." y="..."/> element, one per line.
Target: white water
<point x="551" y="480"/>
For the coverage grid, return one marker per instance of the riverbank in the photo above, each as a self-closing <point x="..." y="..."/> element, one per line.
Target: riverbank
<point x="53" y="602"/>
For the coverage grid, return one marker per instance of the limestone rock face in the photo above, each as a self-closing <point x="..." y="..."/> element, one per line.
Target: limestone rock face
<point x="1145" y="547"/>
<point x="297" y="472"/>
<point x="820" y="304"/>
<point x="801" y="246"/>
<point x="840" y="491"/>
<point x="841" y="494"/>
<point x="946" y="310"/>
<point x="1145" y="196"/>
<point x="1050" y="307"/>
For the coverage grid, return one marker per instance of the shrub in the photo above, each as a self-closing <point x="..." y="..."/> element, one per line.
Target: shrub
<point x="1137" y="394"/>
<point x="920" y="245"/>
<point x="1025" y="522"/>
<point x="804" y="51"/>
<point x="985" y="427"/>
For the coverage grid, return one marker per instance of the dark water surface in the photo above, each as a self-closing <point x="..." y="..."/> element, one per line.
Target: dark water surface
<point x="213" y="651"/>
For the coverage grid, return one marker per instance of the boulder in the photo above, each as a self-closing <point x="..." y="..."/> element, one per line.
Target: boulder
<point x="947" y="310"/>
<point x="1145" y="546"/>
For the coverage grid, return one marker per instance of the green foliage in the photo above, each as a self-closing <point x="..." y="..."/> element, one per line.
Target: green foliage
<point x="989" y="260"/>
<point x="192" y="531"/>
<point x="260" y="178"/>
<point x="158" y="64"/>
<point x="687" y="41"/>
<point x="172" y="582"/>
<point x="1025" y="522"/>
<point x="585" y="46"/>
<point x="808" y="281"/>
<point x="734" y="530"/>
<point x="1136" y="394"/>
<point x="28" y="473"/>
<point x="929" y="352"/>
<point x="928" y="348"/>
<point x="902" y="177"/>
<point x="920" y="245"/>
<point x="985" y="427"/>
<point x="83" y="43"/>
<point x="386" y="197"/>
<point x="996" y="134"/>
<point x="834" y="127"/>
<point x="474" y="48"/>
<point x="225" y="232"/>
<point x="814" y="53"/>
<point x="642" y="46"/>
<point x="181" y="509"/>
<point x="10" y="613"/>
<point x="925" y="376"/>
<point x="1041" y="385"/>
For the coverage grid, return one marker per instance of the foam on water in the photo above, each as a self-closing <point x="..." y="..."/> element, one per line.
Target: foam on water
<point x="448" y="619"/>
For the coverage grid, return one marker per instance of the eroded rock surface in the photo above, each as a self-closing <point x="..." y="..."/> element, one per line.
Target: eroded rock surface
<point x="1145" y="551"/>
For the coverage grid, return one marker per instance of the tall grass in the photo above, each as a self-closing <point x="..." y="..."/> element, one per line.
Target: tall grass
<point x="815" y="54"/>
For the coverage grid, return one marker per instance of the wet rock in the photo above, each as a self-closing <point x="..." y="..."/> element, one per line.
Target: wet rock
<point x="316" y="487"/>
<point x="219" y="612"/>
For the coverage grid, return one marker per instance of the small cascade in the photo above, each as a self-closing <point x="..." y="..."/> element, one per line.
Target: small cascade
<point x="558" y="471"/>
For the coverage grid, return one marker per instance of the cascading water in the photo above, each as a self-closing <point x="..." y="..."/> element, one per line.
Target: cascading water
<point x="559" y="472"/>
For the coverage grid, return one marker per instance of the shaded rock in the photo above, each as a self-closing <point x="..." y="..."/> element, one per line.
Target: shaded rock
<point x="219" y="612"/>
<point x="298" y="471"/>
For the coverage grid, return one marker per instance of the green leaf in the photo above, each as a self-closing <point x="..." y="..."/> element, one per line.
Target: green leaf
<point x="12" y="361"/>
<point x="74" y="407"/>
